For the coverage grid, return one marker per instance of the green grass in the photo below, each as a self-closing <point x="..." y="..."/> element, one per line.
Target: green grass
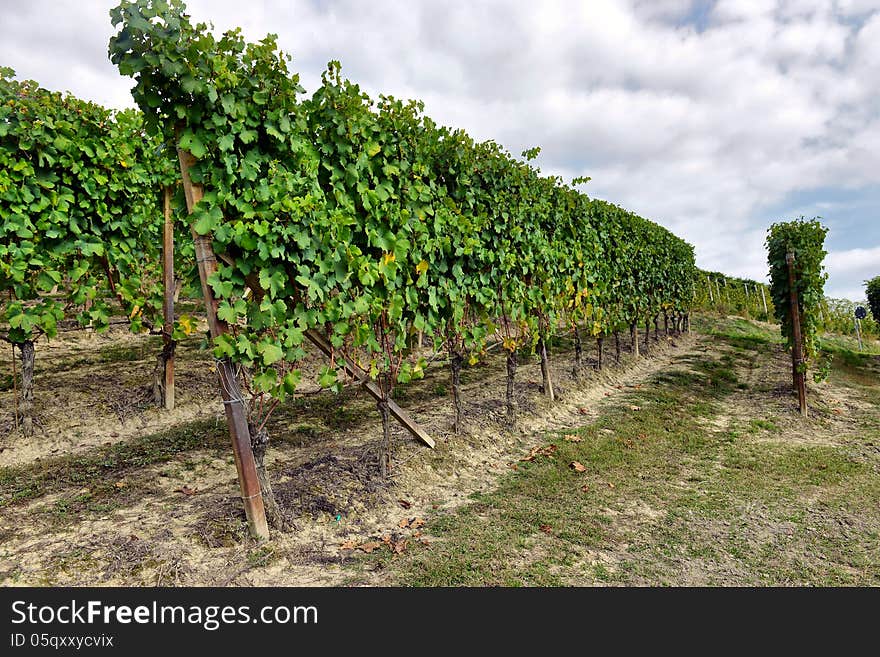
<point x="668" y="501"/>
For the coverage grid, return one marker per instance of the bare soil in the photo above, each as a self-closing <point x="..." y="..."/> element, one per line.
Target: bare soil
<point x="113" y="491"/>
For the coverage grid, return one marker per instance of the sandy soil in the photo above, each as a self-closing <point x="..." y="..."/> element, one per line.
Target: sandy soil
<point x="178" y="520"/>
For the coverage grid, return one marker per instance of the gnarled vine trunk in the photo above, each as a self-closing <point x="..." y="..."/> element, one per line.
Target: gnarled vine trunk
<point x="647" y="334"/>
<point x="28" y="356"/>
<point x="385" y="448"/>
<point x="666" y="323"/>
<point x="576" y="370"/>
<point x="600" y="351"/>
<point x="259" y="445"/>
<point x="456" y="362"/>
<point x="617" y="347"/>
<point x="164" y="359"/>
<point x="656" y="328"/>
<point x="546" y="381"/>
<point x="511" y="402"/>
<point x="634" y="338"/>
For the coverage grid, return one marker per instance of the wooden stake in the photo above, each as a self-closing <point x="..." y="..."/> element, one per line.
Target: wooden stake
<point x="168" y="305"/>
<point x="230" y="391"/>
<point x="797" y="354"/>
<point x="371" y="387"/>
<point x="764" y="301"/>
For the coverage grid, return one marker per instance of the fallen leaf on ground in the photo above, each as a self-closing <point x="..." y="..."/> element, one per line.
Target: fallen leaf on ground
<point x="585" y="488"/>
<point x="120" y="484"/>
<point x="404" y="504"/>
<point x="535" y="452"/>
<point x="370" y="546"/>
<point x="610" y="485"/>
<point x="582" y="410"/>
<point x="577" y="466"/>
<point x="403" y="524"/>
<point x="415" y="523"/>
<point x="398" y="547"/>
<point x="635" y="408"/>
<point x="186" y="490"/>
<point x="348" y="545"/>
<point x="572" y="438"/>
<point x="547" y="529"/>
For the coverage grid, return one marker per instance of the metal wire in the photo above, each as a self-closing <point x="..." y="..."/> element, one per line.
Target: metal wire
<point x="232" y="391"/>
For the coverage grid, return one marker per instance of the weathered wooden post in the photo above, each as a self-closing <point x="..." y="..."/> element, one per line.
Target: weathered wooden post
<point x="230" y="390"/>
<point x="168" y="303"/>
<point x="797" y="355"/>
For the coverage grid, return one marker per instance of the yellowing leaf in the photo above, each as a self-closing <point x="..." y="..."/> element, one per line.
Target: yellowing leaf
<point x="422" y="267"/>
<point x="186" y="324"/>
<point x="388" y="258"/>
<point x="135" y="312"/>
<point x="509" y="344"/>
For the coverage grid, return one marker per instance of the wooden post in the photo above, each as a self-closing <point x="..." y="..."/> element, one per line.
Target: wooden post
<point x="168" y="305"/>
<point x="230" y="391"/>
<point x="711" y="296"/>
<point x="797" y="355"/>
<point x="764" y="301"/>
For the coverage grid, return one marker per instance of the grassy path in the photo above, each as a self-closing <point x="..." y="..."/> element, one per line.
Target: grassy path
<point x="704" y="476"/>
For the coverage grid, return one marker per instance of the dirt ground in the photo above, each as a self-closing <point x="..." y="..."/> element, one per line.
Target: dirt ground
<point x="112" y="490"/>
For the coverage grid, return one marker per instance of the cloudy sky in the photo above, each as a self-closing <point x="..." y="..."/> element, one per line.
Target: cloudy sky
<point x="713" y="118"/>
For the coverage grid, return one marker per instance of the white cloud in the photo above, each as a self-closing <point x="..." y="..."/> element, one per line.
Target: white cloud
<point x="856" y="265"/>
<point x="699" y="119"/>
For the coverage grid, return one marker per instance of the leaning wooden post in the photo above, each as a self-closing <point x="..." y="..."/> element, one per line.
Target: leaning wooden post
<point x="711" y="296"/>
<point x="168" y="303"/>
<point x="764" y="301"/>
<point x="230" y="391"/>
<point x="797" y="355"/>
